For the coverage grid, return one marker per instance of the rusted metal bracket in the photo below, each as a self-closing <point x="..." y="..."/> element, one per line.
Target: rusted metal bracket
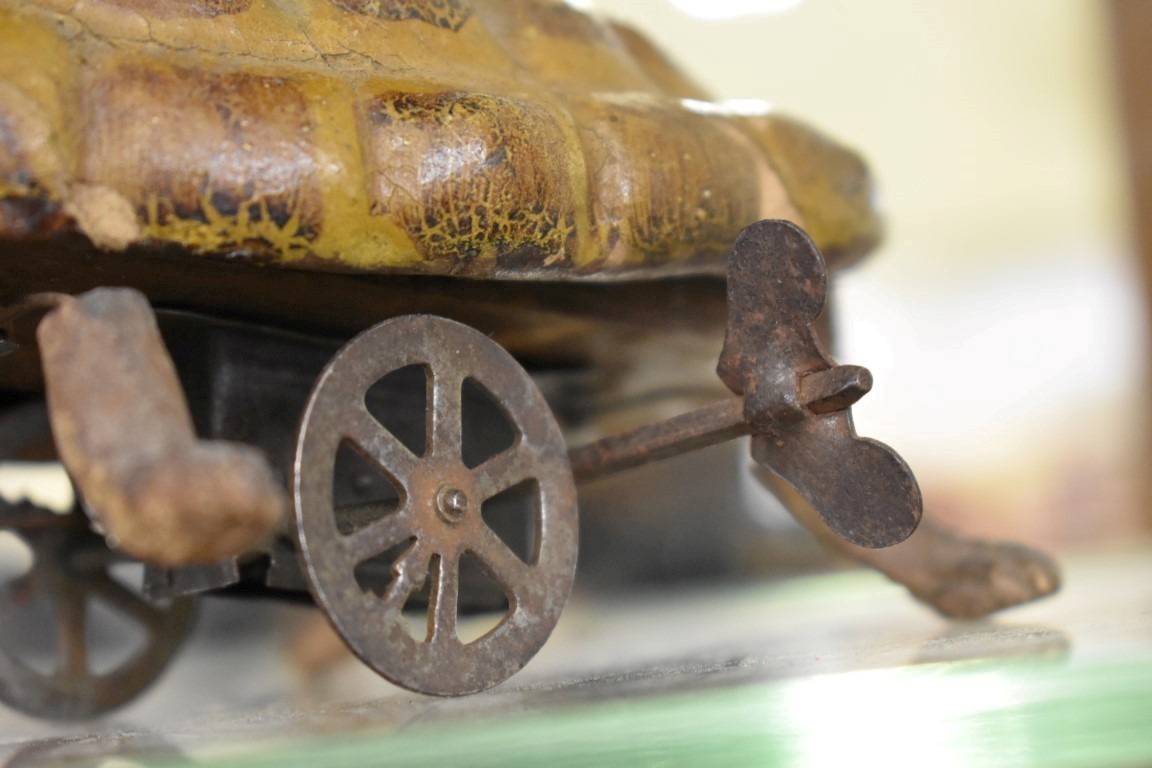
<point x="795" y="399"/>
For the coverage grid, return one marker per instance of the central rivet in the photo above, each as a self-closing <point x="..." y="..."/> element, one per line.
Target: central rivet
<point x="451" y="504"/>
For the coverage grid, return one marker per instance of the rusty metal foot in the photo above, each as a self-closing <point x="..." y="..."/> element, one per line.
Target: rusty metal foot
<point x="855" y="494"/>
<point x="793" y="399"/>
<point x="966" y="578"/>
<point x="959" y="576"/>
<point x="124" y="432"/>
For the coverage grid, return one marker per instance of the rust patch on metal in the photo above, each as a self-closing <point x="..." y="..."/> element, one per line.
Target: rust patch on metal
<point x="123" y="431"/>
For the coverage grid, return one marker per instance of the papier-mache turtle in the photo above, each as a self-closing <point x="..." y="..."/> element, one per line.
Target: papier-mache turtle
<point x="413" y="168"/>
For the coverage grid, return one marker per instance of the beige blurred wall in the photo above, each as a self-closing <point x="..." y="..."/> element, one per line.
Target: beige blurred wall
<point x="1000" y="112"/>
<point x="1002" y="317"/>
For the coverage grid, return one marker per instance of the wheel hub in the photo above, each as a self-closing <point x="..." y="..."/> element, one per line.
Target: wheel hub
<point x="451" y="504"/>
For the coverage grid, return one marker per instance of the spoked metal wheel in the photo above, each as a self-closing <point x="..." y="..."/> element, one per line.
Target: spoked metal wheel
<point x="70" y="573"/>
<point x="437" y="519"/>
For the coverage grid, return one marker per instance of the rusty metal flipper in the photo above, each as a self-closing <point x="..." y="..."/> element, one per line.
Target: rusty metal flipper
<point x="797" y="398"/>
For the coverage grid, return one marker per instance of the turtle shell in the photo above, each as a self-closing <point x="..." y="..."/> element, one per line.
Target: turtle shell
<point x="491" y="139"/>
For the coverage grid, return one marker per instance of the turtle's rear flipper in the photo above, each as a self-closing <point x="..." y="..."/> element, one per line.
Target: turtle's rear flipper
<point x="959" y="576"/>
<point x="124" y="432"/>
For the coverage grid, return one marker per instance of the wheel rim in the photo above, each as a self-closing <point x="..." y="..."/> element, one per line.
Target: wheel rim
<point x="439" y="511"/>
<point x="71" y="570"/>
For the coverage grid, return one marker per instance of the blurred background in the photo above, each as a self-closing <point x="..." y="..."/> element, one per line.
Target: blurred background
<point x="1003" y="316"/>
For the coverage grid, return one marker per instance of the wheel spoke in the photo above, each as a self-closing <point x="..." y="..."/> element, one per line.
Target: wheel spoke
<point x="408" y="575"/>
<point x="444" y="430"/>
<point x="442" y="612"/>
<point x="505" y="470"/>
<point x="126" y="602"/>
<point x="357" y="516"/>
<point x="385" y="449"/>
<point x="72" y="617"/>
<point x="377" y="537"/>
<point x="512" y="573"/>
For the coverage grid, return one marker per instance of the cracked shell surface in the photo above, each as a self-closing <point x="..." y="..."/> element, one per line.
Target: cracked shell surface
<point x="481" y="138"/>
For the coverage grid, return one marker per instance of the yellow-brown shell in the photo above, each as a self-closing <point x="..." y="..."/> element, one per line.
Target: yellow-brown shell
<point x="488" y="138"/>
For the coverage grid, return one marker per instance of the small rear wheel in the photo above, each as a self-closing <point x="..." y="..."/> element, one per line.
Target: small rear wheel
<point x="69" y="574"/>
<point x="437" y="519"/>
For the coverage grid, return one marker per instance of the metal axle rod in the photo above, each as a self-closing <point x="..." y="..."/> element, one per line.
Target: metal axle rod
<point x="832" y="389"/>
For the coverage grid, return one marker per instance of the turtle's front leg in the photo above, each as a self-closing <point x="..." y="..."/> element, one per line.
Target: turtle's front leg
<point x="123" y="431"/>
